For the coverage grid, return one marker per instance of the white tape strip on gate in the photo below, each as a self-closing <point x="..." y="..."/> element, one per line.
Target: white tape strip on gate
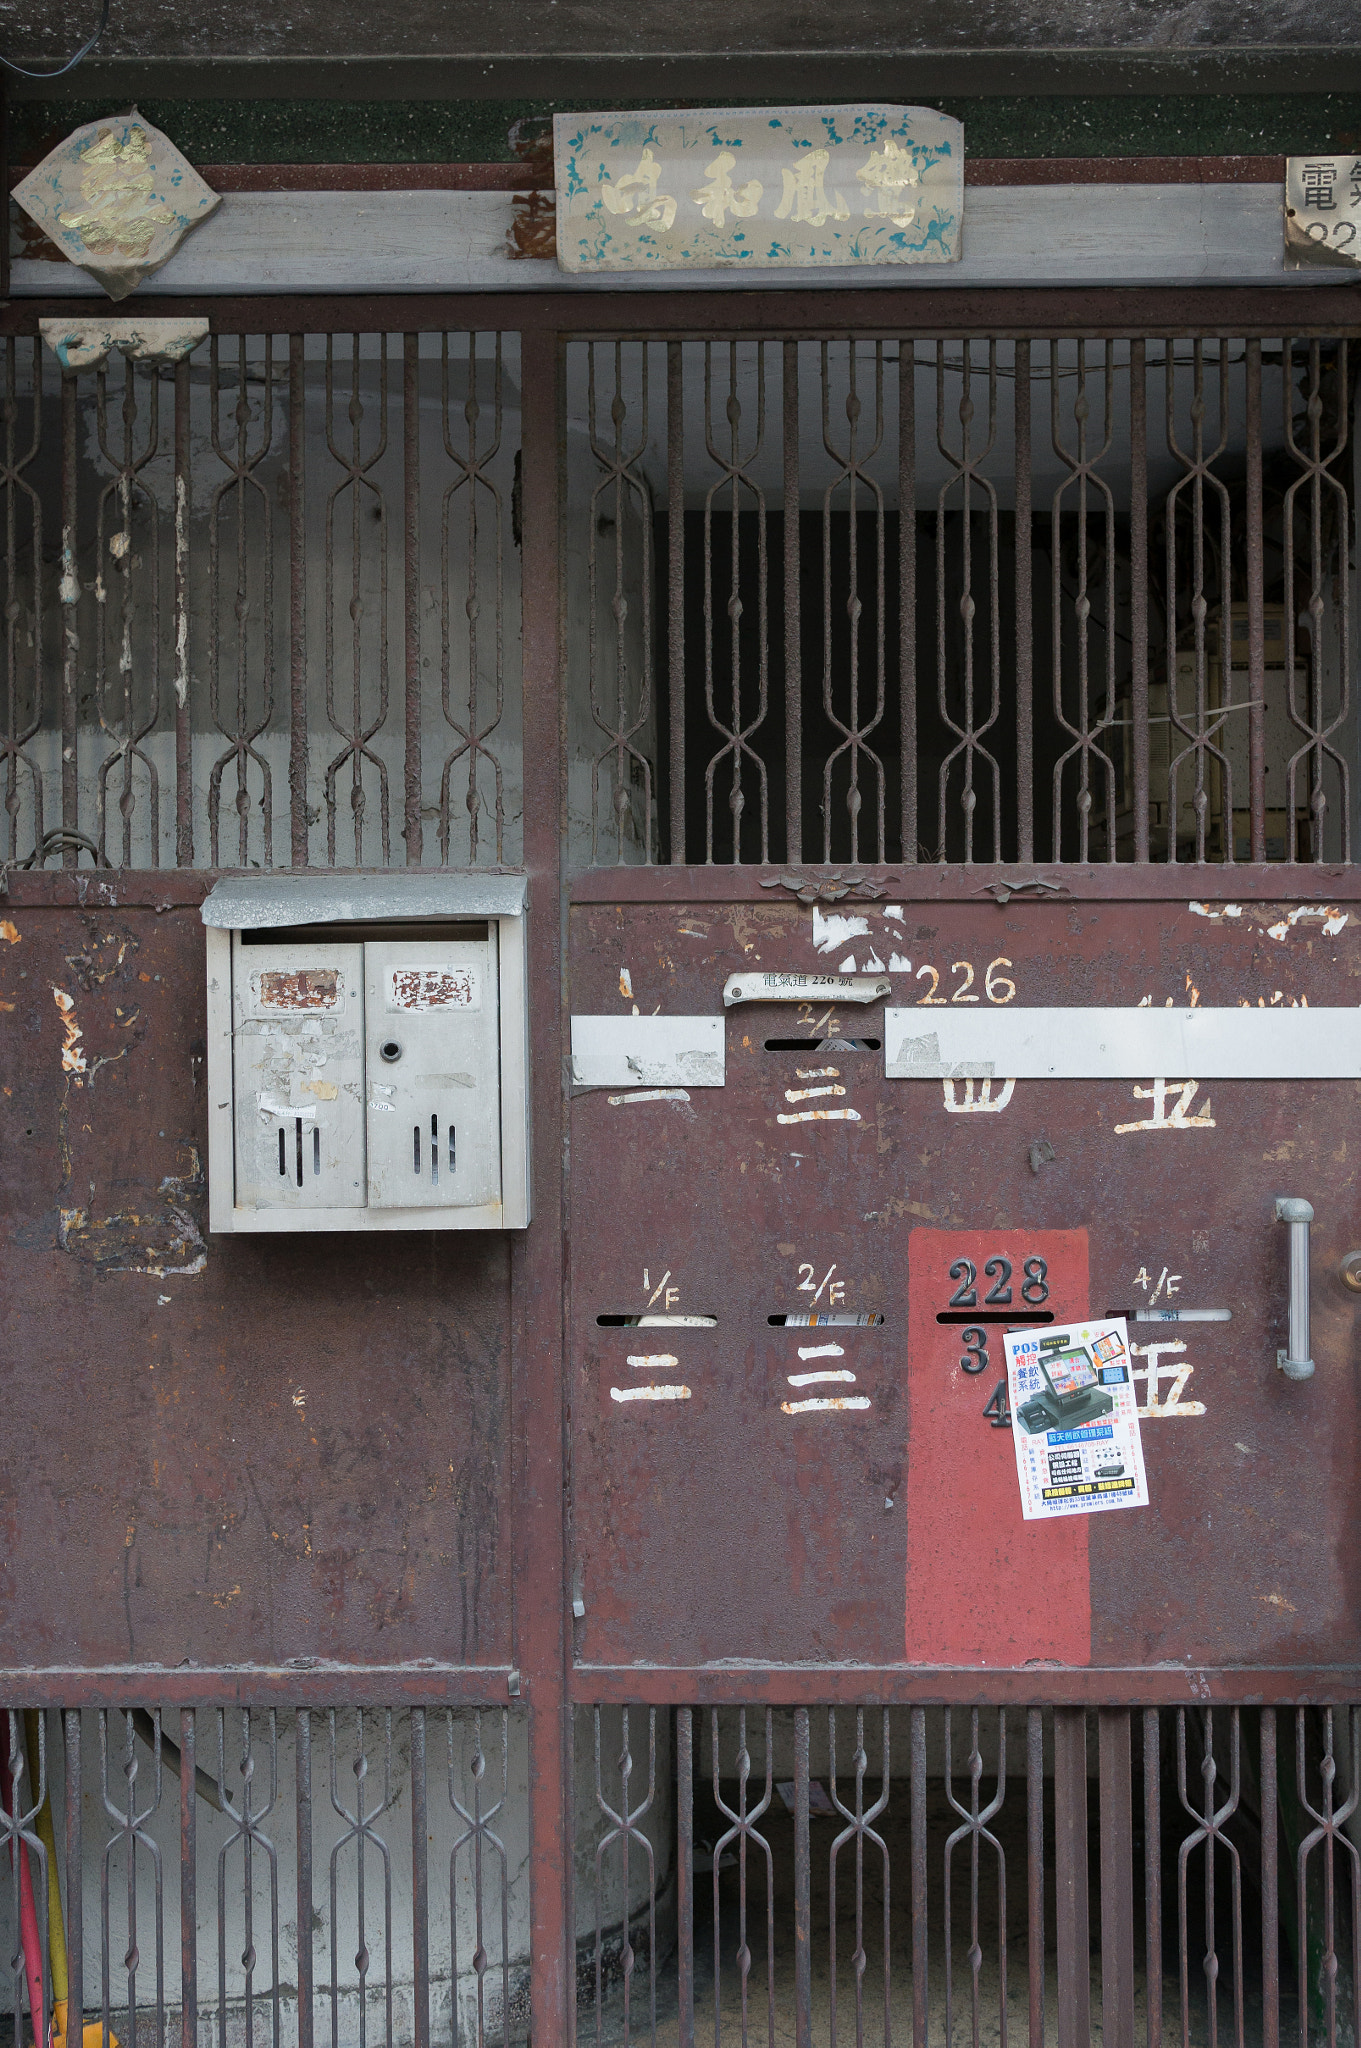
<point x="1123" y="1045"/>
<point x="648" y="1052"/>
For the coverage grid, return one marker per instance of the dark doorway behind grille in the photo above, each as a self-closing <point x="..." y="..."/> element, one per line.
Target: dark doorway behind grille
<point x="735" y="692"/>
<point x="1162" y="673"/>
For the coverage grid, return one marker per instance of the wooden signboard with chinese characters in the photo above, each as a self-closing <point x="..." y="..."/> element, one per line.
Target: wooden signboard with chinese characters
<point x="771" y="187"/>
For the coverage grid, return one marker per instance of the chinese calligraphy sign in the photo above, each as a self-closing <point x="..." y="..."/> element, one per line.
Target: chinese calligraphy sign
<point x="117" y="198"/>
<point x="1323" y="212"/>
<point x="762" y="188"/>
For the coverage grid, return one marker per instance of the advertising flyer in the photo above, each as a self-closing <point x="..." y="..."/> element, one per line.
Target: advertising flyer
<point x="1075" y="1420"/>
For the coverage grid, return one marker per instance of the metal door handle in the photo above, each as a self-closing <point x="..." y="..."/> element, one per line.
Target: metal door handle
<point x="1295" y="1361"/>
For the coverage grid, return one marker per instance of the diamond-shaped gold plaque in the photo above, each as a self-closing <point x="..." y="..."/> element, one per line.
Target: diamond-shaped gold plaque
<point x="117" y="198"/>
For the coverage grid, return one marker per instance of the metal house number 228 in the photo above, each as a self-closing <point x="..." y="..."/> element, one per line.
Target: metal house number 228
<point x="974" y="1337"/>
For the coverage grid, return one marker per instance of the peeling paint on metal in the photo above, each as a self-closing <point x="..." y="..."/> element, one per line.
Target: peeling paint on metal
<point x="164" y="1238"/>
<point x="72" y="1058"/>
<point x="652" y="1095"/>
<point x="820" y="1116"/>
<point x="303" y="988"/>
<point x="182" y="584"/>
<point x="433" y="988"/>
<point x="655" y="1361"/>
<point x="813" y="1379"/>
<point x="9" y="931"/>
<point x="1330" y="916"/>
<point x="834" y="1404"/>
<point x="649" y="1393"/>
<point x="1332" y="920"/>
<point x="835" y="929"/>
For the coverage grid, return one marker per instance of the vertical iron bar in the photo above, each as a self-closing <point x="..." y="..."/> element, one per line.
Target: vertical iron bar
<point x="1070" y="1877"/>
<point x="1034" y="1786"/>
<point x="675" y="587"/>
<point x="1153" y="1886"/>
<point x="907" y="596"/>
<point x="75" y="1878"/>
<point x="1117" y="1879"/>
<point x="297" y="601"/>
<point x="302" y="1776"/>
<point x="188" y="1879"/>
<point x="1138" y="589"/>
<point x="919" y="1951"/>
<point x="803" y="1905"/>
<point x="537" y="1271"/>
<point x="685" y="1903"/>
<point x="184" y="780"/>
<point x="420" y="1888"/>
<point x="1025" y="703"/>
<point x="411" y="496"/>
<point x="70" y="600"/>
<point x="887" y="1931"/>
<point x="793" y="650"/>
<point x="1271" y="1923"/>
<point x="4" y="184"/>
<point x="1256" y="619"/>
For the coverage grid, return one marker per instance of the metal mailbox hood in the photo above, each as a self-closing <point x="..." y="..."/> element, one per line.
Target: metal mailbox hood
<point x="243" y="903"/>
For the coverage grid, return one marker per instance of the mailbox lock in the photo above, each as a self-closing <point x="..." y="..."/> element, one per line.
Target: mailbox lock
<point x="390" y="1050"/>
<point x="1350" y="1270"/>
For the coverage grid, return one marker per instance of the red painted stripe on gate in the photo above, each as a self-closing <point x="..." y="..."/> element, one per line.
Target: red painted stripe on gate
<point x="984" y="1587"/>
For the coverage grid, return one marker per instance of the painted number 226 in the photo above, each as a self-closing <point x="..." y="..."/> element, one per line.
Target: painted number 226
<point x="999" y="988"/>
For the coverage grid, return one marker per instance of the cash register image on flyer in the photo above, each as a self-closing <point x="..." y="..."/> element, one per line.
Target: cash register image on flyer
<point x="1075" y="1420"/>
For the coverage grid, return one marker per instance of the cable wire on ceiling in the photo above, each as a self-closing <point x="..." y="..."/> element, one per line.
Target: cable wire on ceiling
<point x="71" y="62"/>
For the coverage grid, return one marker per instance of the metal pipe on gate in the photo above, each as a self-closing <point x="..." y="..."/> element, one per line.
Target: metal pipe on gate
<point x="1295" y="1361"/>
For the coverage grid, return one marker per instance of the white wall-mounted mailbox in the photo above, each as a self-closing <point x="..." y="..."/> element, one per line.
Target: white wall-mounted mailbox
<point x="368" y="1053"/>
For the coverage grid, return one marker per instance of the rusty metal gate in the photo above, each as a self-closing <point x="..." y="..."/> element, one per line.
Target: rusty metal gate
<point x="627" y="1626"/>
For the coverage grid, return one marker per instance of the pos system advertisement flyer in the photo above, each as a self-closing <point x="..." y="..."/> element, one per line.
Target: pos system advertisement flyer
<point x="1075" y="1420"/>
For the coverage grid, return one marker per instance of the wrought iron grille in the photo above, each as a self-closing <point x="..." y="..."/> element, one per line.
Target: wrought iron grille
<point x="867" y="599"/>
<point x="261" y="605"/>
<point x="923" y="599"/>
<point x="969" y="1874"/>
<point x="746" y="1874"/>
<point x="342" y="1875"/>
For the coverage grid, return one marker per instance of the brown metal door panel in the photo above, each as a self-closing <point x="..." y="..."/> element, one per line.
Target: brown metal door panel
<point x="219" y="1450"/>
<point x="719" y="1525"/>
<point x="698" y="1516"/>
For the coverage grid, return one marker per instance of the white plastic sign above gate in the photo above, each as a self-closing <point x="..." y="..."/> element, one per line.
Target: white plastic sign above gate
<point x="1122" y="1045"/>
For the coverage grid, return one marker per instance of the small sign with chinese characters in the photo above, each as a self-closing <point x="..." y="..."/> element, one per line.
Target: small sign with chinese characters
<point x="117" y="198"/>
<point x="1323" y="212"/>
<point x="772" y="187"/>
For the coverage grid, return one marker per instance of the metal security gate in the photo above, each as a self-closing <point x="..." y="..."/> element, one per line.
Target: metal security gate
<point x="493" y="1637"/>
